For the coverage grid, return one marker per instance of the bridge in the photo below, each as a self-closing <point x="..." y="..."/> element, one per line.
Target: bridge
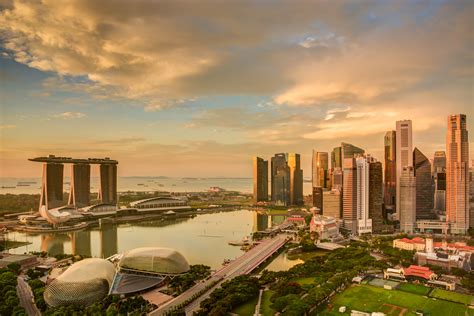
<point x="249" y="261"/>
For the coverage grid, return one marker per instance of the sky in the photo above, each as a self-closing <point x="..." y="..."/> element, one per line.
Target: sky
<point x="196" y="88"/>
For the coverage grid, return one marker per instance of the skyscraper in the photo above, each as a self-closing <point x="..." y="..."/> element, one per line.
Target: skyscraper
<point x="318" y="199"/>
<point x="80" y="185"/>
<point x="390" y="170"/>
<point x="349" y="197"/>
<point x="350" y="151"/>
<point x="320" y="169"/>
<point x="457" y="174"/>
<point x="280" y="179"/>
<point x="332" y="204"/>
<point x="337" y="182"/>
<point x="52" y="185"/>
<point x="108" y="184"/>
<point x="439" y="177"/>
<point x="471" y="196"/>
<point x="336" y="158"/>
<point x="296" y="179"/>
<point x="407" y="200"/>
<point x="424" y="185"/>
<point x="364" y="223"/>
<point x="439" y="161"/>
<point x="375" y="195"/>
<point x="404" y="154"/>
<point x="260" y="179"/>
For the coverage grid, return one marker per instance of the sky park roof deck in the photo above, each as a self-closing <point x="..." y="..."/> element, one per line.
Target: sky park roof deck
<point x="54" y="159"/>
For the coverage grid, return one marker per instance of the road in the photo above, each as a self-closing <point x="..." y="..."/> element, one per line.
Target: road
<point x="240" y="266"/>
<point x="26" y="297"/>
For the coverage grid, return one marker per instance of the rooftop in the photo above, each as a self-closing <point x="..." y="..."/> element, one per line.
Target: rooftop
<point x="53" y="158"/>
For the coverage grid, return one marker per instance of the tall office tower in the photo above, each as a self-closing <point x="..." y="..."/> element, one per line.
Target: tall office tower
<point x="457" y="174"/>
<point x="108" y="184"/>
<point x="424" y="185"/>
<point x="337" y="182"/>
<point x="332" y="203"/>
<point x="336" y="158"/>
<point x="404" y="155"/>
<point x="471" y="196"/>
<point x="296" y="179"/>
<point x="320" y="167"/>
<point x="350" y="151"/>
<point x="439" y="161"/>
<point x="376" y="195"/>
<point x="80" y="185"/>
<point x="349" y="197"/>
<point x="260" y="179"/>
<point x="280" y="179"/>
<point x="318" y="199"/>
<point x="364" y="223"/>
<point x="390" y="170"/>
<point x="439" y="177"/>
<point x="407" y="200"/>
<point x="52" y="186"/>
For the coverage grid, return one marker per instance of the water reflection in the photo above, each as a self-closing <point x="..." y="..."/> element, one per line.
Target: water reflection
<point x="202" y="239"/>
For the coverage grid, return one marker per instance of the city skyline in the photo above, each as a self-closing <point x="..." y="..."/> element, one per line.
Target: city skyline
<point x="233" y="90"/>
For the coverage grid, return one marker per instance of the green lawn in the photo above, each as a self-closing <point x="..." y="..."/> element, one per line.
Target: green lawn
<point x="368" y="298"/>
<point x="414" y="288"/>
<point x="265" y="309"/>
<point x="307" y="255"/>
<point x="452" y="296"/>
<point x="247" y="309"/>
<point x="303" y="281"/>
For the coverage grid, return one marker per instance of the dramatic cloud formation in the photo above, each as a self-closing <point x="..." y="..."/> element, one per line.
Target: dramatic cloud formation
<point x="318" y="71"/>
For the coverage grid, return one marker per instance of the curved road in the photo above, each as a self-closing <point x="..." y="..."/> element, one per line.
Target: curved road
<point x="26" y="297"/>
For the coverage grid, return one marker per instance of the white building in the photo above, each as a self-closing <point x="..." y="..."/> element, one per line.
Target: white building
<point x="364" y="223"/>
<point x="404" y="154"/>
<point x="407" y="202"/>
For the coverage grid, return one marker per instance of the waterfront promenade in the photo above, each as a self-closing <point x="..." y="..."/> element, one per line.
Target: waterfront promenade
<point x="244" y="264"/>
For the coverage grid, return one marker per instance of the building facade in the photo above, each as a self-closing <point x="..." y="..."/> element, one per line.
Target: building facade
<point x="296" y="179"/>
<point x="79" y="195"/>
<point x="424" y="185"/>
<point x="52" y="186"/>
<point x="108" y="184"/>
<point x="390" y="170"/>
<point x="364" y="223"/>
<point x="280" y="179"/>
<point x="332" y="202"/>
<point x="407" y="200"/>
<point x="457" y="174"/>
<point x="404" y="155"/>
<point x="376" y="195"/>
<point x="349" y="197"/>
<point x="260" y="180"/>
<point x="320" y="169"/>
<point x="318" y="198"/>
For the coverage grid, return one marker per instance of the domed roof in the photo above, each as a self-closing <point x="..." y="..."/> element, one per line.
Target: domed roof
<point x="83" y="283"/>
<point x="156" y="260"/>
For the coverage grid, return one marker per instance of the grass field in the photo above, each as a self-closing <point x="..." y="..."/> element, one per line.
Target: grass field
<point x="414" y="288"/>
<point x="303" y="281"/>
<point x="265" y="309"/>
<point x="368" y="298"/>
<point x="247" y="309"/>
<point x="452" y="296"/>
<point x="307" y="255"/>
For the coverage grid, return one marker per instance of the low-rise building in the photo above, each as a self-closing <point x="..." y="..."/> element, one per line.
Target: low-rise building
<point x="23" y="260"/>
<point x="325" y="226"/>
<point x="161" y="204"/>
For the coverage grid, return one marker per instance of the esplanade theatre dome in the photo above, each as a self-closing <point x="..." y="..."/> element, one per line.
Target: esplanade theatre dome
<point x="83" y="283"/>
<point x="154" y="260"/>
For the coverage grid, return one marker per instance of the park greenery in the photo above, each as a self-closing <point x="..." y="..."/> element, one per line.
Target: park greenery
<point x="231" y="294"/>
<point x="183" y="282"/>
<point x="9" y="301"/>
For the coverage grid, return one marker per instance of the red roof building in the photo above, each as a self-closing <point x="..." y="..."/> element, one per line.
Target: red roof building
<point x="420" y="272"/>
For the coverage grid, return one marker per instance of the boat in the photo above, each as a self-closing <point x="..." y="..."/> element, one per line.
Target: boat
<point x="8" y="187"/>
<point x="27" y="182"/>
<point x="244" y="242"/>
<point x="22" y="185"/>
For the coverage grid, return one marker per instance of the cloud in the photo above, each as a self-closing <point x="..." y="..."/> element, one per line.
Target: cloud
<point x="7" y="126"/>
<point x="69" y="115"/>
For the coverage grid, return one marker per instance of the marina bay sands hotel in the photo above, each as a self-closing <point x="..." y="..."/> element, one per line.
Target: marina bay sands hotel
<point x="79" y="196"/>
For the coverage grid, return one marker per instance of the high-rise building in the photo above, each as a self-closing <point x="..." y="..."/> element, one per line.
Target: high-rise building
<point x="376" y="195"/>
<point x="364" y="223"/>
<point x="424" y="185"/>
<point x="318" y="199"/>
<point x="349" y="197"/>
<point x="439" y="178"/>
<point x="404" y="154"/>
<point x="407" y="200"/>
<point x="296" y="179"/>
<point x="336" y="180"/>
<point x="332" y="204"/>
<point x="260" y="179"/>
<point x="52" y="185"/>
<point x="108" y="184"/>
<point x="336" y="158"/>
<point x="471" y="196"/>
<point x="350" y="151"/>
<point x="457" y="174"/>
<point x="439" y="161"/>
<point x="390" y="170"/>
<point x="280" y="179"/>
<point x="79" y="195"/>
<point x="320" y="167"/>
